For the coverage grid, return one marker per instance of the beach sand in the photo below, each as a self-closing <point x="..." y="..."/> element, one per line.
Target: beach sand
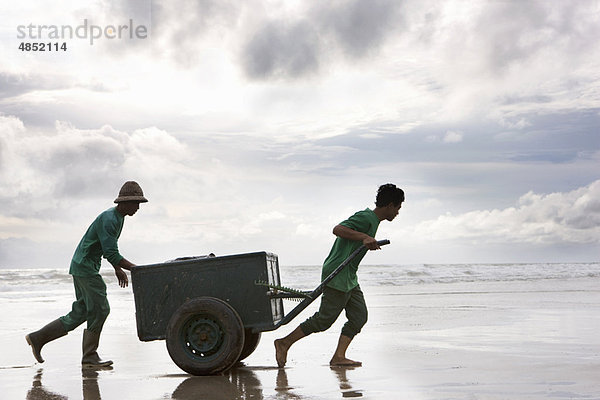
<point x="483" y="340"/>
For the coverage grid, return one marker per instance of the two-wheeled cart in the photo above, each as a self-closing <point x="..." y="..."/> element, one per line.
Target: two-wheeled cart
<point x="212" y="310"/>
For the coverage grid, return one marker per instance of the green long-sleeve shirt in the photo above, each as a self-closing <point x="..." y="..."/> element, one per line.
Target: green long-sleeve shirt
<point x="365" y="221"/>
<point x="99" y="241"/>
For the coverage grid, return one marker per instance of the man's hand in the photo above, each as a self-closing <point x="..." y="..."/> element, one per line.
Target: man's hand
<point x="371" y="243"/>
<point x="122" y="277"/>
<point x="125" y="265"/>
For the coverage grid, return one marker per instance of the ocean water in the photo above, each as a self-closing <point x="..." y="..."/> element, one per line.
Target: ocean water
<point x="414" y="275"/>
<point x="14" y="283"/>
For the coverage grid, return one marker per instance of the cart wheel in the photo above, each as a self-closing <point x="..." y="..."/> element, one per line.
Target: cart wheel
<point x="205" y="336"/>
<point x="250" y="343"/>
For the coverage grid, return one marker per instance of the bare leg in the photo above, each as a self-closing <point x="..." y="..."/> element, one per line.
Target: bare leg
<point x="339" y="358"/>
<point x="283" y="345"/>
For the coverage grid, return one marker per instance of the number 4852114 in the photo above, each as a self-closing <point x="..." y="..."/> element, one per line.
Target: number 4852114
<point x="25" y="46"/>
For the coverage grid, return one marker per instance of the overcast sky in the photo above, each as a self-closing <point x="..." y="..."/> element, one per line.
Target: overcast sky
<point x="259" y="125"/>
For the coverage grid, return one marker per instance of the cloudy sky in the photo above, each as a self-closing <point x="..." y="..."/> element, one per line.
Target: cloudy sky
<point x="259" y="125"/>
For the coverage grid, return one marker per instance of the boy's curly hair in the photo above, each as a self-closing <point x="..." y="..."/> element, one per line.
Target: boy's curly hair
<point x="387" y="194"/>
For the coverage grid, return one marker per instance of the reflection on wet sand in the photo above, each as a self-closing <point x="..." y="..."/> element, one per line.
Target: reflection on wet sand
<point x="246" y="382"/>
<point x="89" y="378"/>
<point x="243" y="383"/>
<point x="39" y="392"/>
<point x="236" y="384"/>
<point x="345" y="386"/>
<point x="283" y="387"/>
<point x="239" y="383"/>
<point x="91" y="391"/>
<point x="199" y="387"/>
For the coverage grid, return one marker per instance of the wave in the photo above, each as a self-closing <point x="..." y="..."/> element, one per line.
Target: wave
<point x="450" y="273"/>
<point x="400" y="275"/>
<point x="32" y="276"/>
<point x="43" y="281"/>
<point x="39" y="282"/>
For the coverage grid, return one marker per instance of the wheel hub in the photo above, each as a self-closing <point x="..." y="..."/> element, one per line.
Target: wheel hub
<point x="203" y="336"/>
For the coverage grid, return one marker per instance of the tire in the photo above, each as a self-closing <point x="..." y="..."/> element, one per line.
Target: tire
<point x="205" y="336"/>
<point x="250" y="343"/>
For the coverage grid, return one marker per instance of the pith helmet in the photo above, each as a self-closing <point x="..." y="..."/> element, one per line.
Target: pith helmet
<point x="131" y="191"/>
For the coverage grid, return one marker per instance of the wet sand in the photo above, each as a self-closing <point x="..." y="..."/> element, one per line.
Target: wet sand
<point x="497" y="340"/>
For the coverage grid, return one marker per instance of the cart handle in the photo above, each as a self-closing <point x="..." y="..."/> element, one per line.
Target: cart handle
<point x="315" y="293"/>
<point x="319" y="290"/>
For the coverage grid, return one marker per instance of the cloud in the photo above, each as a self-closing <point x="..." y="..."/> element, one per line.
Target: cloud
<point x="230" y="194"/>
<point x="17" y="84"/>
<point x="453" y="137"/>
<point x="278" y="50"/>
<point x="516" y="32"/>
<point x="293" y="48"/>
<point x="359" y="27"/>
<point x="556" y="218"/>
<point x="182" y="29"/>
<point x="41" y="170"/>
<point x="226" y="194"/>
<point x="449" y="137"/>
<point x="12" y="85"/>
<point x="23" y="252"/>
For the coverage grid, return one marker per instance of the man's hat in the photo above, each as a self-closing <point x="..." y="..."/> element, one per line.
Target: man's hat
<point x="131" y="191"/>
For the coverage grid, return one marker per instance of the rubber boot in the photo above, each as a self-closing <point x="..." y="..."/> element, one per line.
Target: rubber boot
<point x="38" y="339"/>
<point x="90" y="358"/>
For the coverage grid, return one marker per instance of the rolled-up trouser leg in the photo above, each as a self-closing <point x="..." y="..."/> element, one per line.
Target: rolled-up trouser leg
<point x="91" y="304"/>
<point x="356" y="312"/>
<point x="333" y="302"/>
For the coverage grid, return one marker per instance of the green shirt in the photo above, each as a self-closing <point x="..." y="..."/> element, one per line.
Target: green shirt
<point x="99" y="241"/>
<point x="363" y="221"/>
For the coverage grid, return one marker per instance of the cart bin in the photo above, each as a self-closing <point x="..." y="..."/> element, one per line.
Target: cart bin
<point x="160" y="289"/>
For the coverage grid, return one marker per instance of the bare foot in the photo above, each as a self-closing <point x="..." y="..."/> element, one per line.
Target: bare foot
<point x="281" y="352"/>
<point x="344" y="362"/>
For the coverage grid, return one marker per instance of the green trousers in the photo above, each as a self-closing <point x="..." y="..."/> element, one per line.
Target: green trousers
<point x="91" y="304"/>
<point x="333" y="302"/>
